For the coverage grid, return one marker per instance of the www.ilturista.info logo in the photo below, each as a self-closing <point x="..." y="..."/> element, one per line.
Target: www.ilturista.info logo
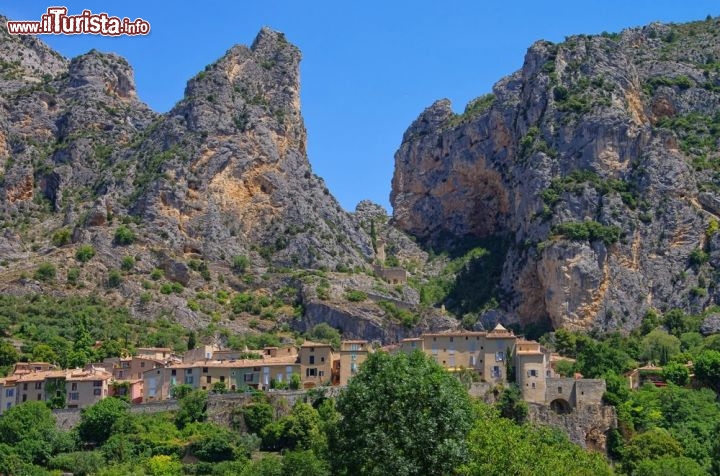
<point x="57" y="22"/>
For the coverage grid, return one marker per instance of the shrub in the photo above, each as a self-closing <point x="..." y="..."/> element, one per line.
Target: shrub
<point x="114" y="278"/>
<point x="124" y="235"/>
<point x="61" y="237"/>
<point x="127" y="263"/>
<point x="698" y="257"/>
<point x="45" y="272"/>
<point x="240" y="263"/>
<point x="157" y="274"/>
<point x="354" y="295"/>
<point x="73" y="274"/>
<point x="84" y="253"/>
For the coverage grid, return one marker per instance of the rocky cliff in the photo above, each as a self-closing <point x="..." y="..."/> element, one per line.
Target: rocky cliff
<point x="147" y="210"/>
<point x="597" y="163"/>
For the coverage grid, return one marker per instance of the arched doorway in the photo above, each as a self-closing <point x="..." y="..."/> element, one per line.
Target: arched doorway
<point x="560" y="406"/>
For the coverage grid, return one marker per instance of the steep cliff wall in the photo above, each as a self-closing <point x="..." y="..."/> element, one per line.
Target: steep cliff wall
<point x="599" y="158"/>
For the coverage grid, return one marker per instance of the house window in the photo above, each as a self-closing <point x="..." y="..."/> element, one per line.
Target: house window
<point x="97" y="383"/>
<point x="353" y="368"/>
<point x="452" y="360"/>
<point x="142" y="365"/>
<point x="354" y="347"/>
<point x="172" y="372"/>
<point x="189" y="379"/>
<point x="73" y="386"/>
<point x="39" y="396"/>
<point x="38" y="385"/>
<point x="25" y="386"/>
<point x="120" y="374"/>
<point x="205" y="370"/>
<point x="10" y="392"/>
<point x="312" y="360"/>
<point x="208" y="379"/>
<point x="532" y="373"/>
<point x="311" y="372"/>
<point x="495" y="372"/>
<point x="222" y="378"/>
<point x="499" y="356"/>
<point x="472" y="361"/>
<point x="451" y="339"/>
<point x="24" y="398"/>
<point x="321" y="373"/>
<point x="248" y="377"/>
<point x="559" y="389"/>
<point x="74" y="396"/>
<point x="533" y="385"/>
<point x="188" y="371"/>
<point x="97" y="392"/>
<point x="322" y="359"/>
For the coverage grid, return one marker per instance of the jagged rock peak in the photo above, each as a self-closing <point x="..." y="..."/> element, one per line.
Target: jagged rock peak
<point x="430" y="119"/>
<point x="103" y="72"/>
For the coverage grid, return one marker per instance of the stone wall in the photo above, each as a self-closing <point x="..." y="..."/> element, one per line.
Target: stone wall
<point x="221" y="407"/>
<point x="588" y="425"/>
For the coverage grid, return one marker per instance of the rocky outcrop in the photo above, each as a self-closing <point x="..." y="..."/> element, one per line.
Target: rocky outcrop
<point x="598" y="159"/>
<point x="587" y="426"/>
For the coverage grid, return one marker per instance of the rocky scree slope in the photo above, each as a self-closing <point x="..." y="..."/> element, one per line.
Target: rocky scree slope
<point x="598" y="162"/>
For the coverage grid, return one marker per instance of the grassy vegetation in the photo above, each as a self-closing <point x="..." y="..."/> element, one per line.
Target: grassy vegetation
<point x="699" y="135"/>
<point x="588" y="231"/>
<point x="473" y="109"/>
<point x="470" y="282"/>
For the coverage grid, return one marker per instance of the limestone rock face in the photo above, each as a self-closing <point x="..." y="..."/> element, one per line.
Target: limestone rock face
<point x="614" y="133"/>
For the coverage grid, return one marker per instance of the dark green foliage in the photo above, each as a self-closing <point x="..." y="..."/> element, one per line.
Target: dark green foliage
<point x="325" y="333"/>
<point x="698" y="136"/>
<point x="193" y="408"/>
<point x="500" y="447"/>
<point x="240" y="263"/>
<point x="401" y="415"/>
<point x="707" y="368"/>
<point x="96" y="422"/>
<point x="114" y="278"/>
<point x="669" y="466"/>
<point x="354" y="295"/>
<point x="84" y="253"/>
<point x="61" y="237"/>
<point x="405" y="317"/>
<point x="698" y="257"/>
<point x="588" y="230"/>
<point x="472" y="261"/>
<point x="473" y="109"/>
<point x="578" y="179"/>
<point x="8" y="354"/>
<point x="676" y="373"/>
<point x="79" y="463"/>
<point x="45" y="272"/>
<point x="651" y="444"/>
<point x="512" y="405"/>
<point x="304" y="463"/>
<point x="127" y="263"/>
<point x="124" y="235"/>
<point x="257" y="416"/>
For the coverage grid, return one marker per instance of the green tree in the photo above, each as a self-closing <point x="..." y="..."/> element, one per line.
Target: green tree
<point x="404" y="415"/>
<point x="61" y="237"/>
<point x="302" y="428"/>
<point x="127" y="263"/>
<point x="193" y="408"/>
<point x="304" y="463"/>
<point x="8" y="354"/>
<point x="30" y="429"/>
<point x="257" y="416"/>
<point x="96" y="422"/>
<point x="659" y="346"/>
<point x="654" y="443"/>
<point x="707" y="368"/>
<point x="295" y="381"/>
<point x="500" y="447"/>
<point x="325" y="333"/>
<point x="669" y="466"/>
<point x="512" y="405"/>
<point x="676" y="373"/>
<point x="163" y="465"/>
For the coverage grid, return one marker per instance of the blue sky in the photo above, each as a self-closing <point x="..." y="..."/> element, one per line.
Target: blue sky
<point x="369" y="68"/>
